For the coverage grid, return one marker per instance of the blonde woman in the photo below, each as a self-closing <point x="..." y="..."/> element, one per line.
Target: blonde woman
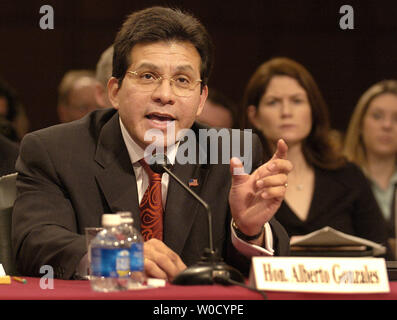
<point x="371" y="143"/>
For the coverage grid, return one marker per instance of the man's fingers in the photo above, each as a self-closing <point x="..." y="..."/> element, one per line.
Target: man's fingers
<point x="273" y="167"/>
<point x="160" y="261"/>
<point x="281" y="151"/>
<point x="277" y="164"/>
<point x="273" y="192"/>
<point x="278" y="180"/>
<point x="152" y="270"/>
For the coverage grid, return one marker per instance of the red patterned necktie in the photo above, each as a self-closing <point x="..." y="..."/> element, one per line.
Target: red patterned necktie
<point x="151" y="206"/>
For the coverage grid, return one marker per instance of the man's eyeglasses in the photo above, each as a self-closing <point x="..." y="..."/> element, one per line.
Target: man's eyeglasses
<point x="181" y="85"/>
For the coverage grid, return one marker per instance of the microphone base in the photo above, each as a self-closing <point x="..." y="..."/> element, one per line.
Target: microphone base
<point x="210" y="270"/>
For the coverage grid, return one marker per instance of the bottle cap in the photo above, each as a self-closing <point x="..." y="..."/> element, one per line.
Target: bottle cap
<point x="110" y="220"/>
<point x="127" y="220"/>
<point x="125" y="217"/>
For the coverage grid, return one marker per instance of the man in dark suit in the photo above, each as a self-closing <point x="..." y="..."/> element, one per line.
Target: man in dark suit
<point x="70" y="174"/>
<point x="9" y="154"/>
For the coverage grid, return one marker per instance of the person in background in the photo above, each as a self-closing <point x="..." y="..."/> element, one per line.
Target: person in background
<point x="103" y="73"/>
<point x="219" y="111"/>
<point x="8" y="130"/>
<point x="337" y="139"/>
<point x="9" y="153"/>
<point x="76" y="95"/>
<point x="14" y="122"/>
<point x="282" y="100"/>
<point x="371" y="143"/>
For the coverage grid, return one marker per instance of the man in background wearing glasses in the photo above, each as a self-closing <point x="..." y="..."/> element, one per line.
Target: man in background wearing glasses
<point x="69" y="175"/>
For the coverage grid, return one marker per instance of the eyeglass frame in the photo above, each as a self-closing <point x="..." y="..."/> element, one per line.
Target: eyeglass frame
<point x="161" y="78"/>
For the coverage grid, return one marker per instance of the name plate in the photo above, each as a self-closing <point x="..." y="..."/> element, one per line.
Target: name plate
<point x="331" y="275"/>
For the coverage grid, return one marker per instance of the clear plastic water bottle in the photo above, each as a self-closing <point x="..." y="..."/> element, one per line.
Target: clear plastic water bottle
<point x="133" y="239"/>
<point x="110" y="257"/>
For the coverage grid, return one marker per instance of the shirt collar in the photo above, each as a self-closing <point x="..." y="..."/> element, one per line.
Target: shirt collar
<point x="136" y="153"/>
<point x="392" y="182"/>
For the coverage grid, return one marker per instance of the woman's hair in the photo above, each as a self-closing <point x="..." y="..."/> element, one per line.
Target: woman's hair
<point x="354" y="145"/>
<point x="319" y="149"/>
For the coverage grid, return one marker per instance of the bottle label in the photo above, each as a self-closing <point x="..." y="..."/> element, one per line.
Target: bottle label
<point x="136" y="257"/>
<point x="113" y="263"/>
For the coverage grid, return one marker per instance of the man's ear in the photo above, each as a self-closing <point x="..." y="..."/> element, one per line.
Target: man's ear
<point x="252" y="115"/>
<point x="203" y="98"/>
<point x="113" y="90"/>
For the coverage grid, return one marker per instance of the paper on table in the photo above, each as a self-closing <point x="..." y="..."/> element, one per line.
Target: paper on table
<point x="2" y="272"/>
<point x="328" y="237"/>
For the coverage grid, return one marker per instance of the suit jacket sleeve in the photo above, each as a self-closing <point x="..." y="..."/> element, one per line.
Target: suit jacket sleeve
<point x="44" y="227"/>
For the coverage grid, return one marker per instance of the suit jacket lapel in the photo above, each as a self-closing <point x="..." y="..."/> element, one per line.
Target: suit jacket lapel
<point x="181" y="207"/>
<point x="117" y="179"/>
<point x="118" y="184"/>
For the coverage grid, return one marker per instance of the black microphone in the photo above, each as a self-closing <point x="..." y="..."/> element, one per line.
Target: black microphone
<point x="211" y="268"/>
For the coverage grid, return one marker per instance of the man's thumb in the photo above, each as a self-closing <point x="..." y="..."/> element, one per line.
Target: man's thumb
<point x="237" y="171"/>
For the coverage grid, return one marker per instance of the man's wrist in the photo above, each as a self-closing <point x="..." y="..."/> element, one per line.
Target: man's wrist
<point x="244" y="236"/>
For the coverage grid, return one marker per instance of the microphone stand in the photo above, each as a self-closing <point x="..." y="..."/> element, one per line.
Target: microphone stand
<point x="202" y="202"/>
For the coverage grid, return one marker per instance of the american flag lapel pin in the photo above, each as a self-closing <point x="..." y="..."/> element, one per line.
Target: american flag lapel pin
<point x="193" y="183"/>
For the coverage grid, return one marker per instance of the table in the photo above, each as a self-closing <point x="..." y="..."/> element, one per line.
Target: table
<point x="81" y="290"/>
<point x="72" y="298"/>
